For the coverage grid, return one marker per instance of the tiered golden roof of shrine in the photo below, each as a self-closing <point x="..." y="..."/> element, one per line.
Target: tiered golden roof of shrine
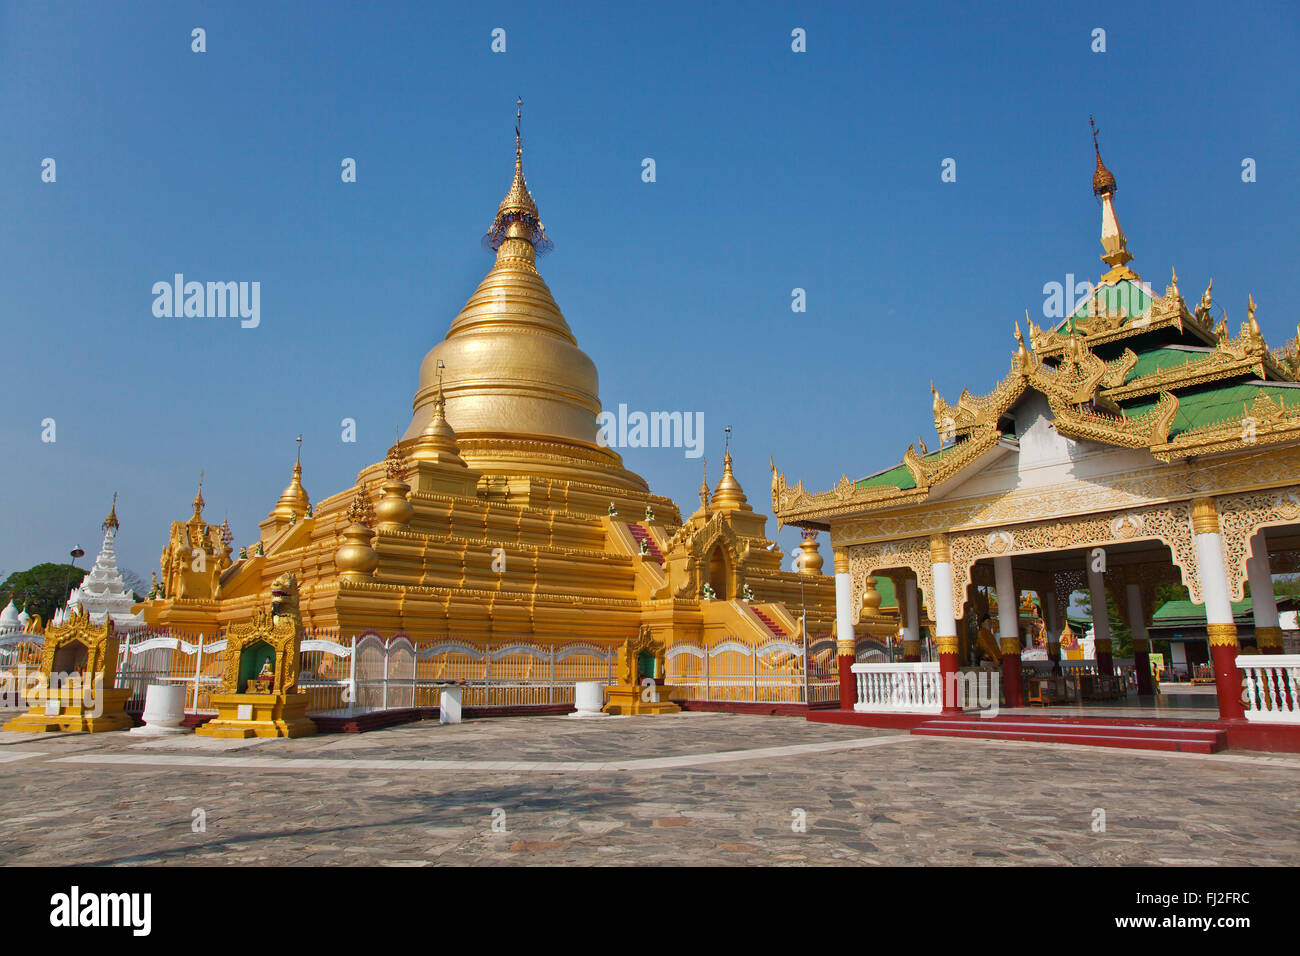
<point x="1128" y="368"/>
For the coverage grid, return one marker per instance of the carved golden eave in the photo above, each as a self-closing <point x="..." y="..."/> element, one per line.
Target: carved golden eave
<point x="795" y="505"/>
<point x="1265" y="422"/>
<point x="971" y="411"/>
<point x="1101" y="327"/>
<point x="1085" y="424"/>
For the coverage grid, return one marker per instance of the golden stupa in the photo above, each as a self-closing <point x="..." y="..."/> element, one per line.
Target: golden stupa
<point x="498" y="515"/>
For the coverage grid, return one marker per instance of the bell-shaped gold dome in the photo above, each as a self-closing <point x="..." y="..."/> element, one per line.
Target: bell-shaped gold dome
<point x="520" y="393"/>
<point x="810" y="560"/>
<point x="293" y="500"/>
<point x="728" y="495"/>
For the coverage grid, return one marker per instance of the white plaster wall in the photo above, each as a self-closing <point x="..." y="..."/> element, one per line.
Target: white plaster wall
<point x="1045" y="458"/>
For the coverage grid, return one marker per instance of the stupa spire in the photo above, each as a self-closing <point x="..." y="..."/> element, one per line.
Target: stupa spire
<point x="294" y="502"/>
<point x="517" y="216"/>
<point x="1116" y="254"/>
<point x="728" y="495"/>
<point x="111" y="520"/>
<point x="198" y="501"/>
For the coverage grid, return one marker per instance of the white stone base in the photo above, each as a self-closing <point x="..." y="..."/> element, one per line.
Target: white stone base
<point x="164" y="709"/>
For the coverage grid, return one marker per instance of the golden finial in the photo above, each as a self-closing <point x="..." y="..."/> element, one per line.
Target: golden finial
<point x="1206" y="301"/>
<point x="111" y="520"/>
<point x="198" y="499"/>
<point x="921" y="445"/>
<point x="704" y="483"/>
<point x="361" y="511"/>
<point x="394" y="466"/>
<point x="1103" y="182"/>
<point x="517" y="216"/>
<point x="1250" y="314"/>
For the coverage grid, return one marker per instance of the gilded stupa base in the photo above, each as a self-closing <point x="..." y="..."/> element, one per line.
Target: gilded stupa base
<point x="65" y="710"/>
<point x="630" y="701"/>
<point x="258" y="715"/>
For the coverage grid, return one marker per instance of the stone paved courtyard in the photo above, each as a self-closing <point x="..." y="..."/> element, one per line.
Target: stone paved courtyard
<point x="683" y="789"/>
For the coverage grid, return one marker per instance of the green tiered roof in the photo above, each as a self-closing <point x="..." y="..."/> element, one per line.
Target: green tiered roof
<point x="1222" y="403"/>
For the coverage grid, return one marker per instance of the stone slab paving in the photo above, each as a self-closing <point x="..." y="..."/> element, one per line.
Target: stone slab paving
<point x="682" y="789"/>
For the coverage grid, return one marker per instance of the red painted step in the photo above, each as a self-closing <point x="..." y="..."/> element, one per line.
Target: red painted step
<point x="772" y="626"/>
<point x="1144" y="736"/>
<point x="641" y="534"/>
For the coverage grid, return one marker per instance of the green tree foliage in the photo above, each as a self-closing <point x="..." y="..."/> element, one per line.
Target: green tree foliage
<point x="1121" y="640"/>
<point x="41" y="590"/>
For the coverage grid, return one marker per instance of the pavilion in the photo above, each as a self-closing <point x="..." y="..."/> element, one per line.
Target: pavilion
<point x="1138" y="442"/>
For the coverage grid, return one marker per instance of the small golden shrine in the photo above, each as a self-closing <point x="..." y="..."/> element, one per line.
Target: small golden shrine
<point x="74" y="692"/>
<point x="261" y="696"/>
<point x="641" y="669"/>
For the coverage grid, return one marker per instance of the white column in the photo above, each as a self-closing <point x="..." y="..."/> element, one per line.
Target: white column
<point x="843" y="606"/>
<point x="912" y="632"/>
<point x="1214" y="578"/>
<point x="945" y="622"/>
<point x="1097" y="592"/>
<point x="1008" y="606"/>
<point x="1262" y="600"/>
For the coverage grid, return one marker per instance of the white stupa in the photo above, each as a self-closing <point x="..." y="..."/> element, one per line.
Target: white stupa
<point x="103" y="592"/>
<point x="10" y="620"/>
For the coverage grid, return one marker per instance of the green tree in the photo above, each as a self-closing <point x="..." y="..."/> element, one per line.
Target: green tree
<point x="41" y="590"/>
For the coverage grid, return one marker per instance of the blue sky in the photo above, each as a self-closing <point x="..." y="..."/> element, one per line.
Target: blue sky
<point x="775" y="170"/>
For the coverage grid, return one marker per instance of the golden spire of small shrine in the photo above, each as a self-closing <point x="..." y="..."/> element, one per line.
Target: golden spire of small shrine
<point x="728" y="495"/>
<point x="198" y="501"/>
<point x="294" y="501"/>
<point x="111" y="520"/>
<point x="704" y="484"/>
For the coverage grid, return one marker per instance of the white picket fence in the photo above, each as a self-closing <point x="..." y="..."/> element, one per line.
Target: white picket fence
<point x="1272" y="687"/>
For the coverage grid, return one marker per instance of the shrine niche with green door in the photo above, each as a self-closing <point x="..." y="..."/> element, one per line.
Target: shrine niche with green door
<point x="251" y="661"/>
<point x="647" y="666"/>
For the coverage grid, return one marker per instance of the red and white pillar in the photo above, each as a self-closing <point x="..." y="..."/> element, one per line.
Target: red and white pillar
<point x="1263" y="602"/>
<point x="1137" y="625"/>
<point x="845" y="646"/>
<point x="1008" y="629"/>
<point x="945" y="621"/>
<point x="1218" y="607"/>
<point x="1100" y="614"/>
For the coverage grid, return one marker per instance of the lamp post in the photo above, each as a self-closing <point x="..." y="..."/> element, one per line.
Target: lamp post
<point x="803" y="626"/>
<point x="67" y="580"/>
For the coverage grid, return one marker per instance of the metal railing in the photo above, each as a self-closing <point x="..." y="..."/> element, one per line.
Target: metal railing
<point x="733" y="669"/>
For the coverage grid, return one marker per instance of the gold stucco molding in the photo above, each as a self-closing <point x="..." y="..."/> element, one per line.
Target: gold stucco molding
<point x="1241" y="516"/>
<point x="1169" y="524"/>
<point x="911" y="553"/>
<point x="1222" y="635"/>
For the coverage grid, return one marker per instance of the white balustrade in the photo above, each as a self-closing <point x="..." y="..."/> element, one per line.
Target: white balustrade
<point x="902" y="688"/>
<point x="1271" y="687"/>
